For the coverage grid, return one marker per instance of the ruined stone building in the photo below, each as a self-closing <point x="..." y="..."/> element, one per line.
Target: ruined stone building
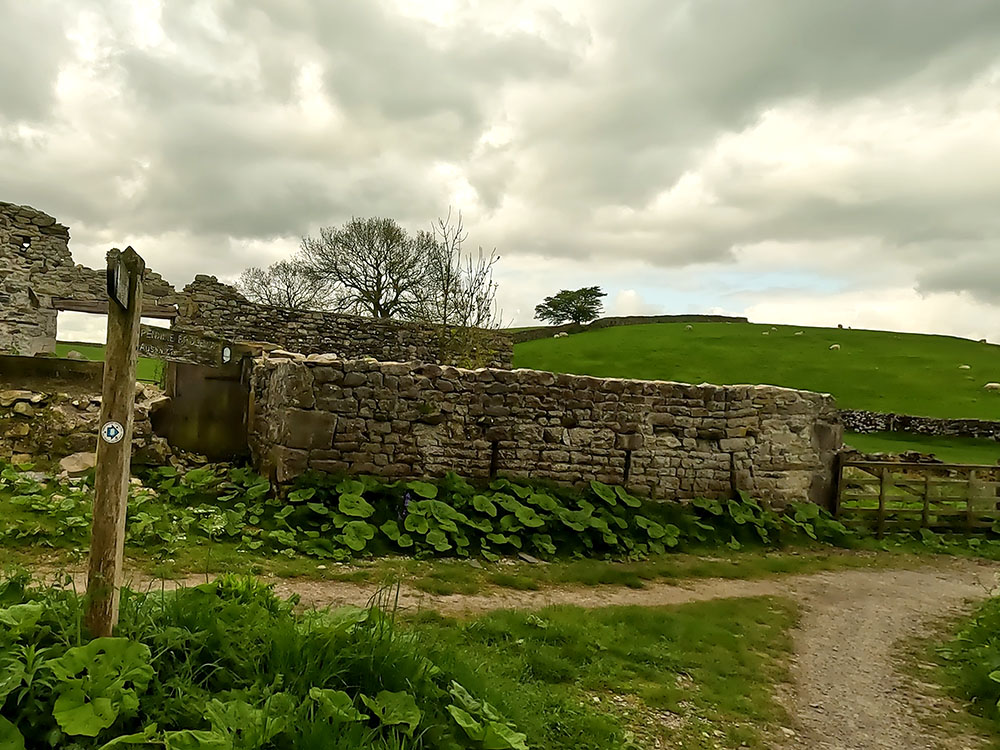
<point x="38" y="278"/>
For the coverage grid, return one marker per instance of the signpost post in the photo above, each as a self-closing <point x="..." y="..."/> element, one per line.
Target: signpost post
<point x="114" y="444"/>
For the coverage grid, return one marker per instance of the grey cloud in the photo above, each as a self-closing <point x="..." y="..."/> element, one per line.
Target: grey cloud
<point x="32" y="45"/>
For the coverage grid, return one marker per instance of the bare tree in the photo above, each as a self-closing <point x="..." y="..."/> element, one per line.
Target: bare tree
<point x="372" y="267"/>
<point x="460" y="294"/>
<point x="286" y="283"/>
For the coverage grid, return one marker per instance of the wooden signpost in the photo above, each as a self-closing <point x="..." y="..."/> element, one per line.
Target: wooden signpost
<point x="180" y="346"/>
<point x="114" y="444"/>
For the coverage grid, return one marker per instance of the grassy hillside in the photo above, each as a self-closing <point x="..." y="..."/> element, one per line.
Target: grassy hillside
<point x="148" y="370"/>
<point x="877" y="370"/>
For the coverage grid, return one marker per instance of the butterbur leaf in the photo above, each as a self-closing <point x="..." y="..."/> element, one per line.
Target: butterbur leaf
<point x="501" y="737"/>
<point x="196" y="740"/>
<point x="475" y="731"/>
<point x="528" y="517"/>
<point x="629" y="500"/>
<point x="484" y="505"/>
<point x="405" y="540"/>
<point x="20" y="618"/>
<point x="300" y="496"/>
<point x="10" y="737"/>
<point x="391" y="529"/>
<point x="394" y="709"/>
<point x="336" y="706"/>
<point x="604" y="492"/>
<point x="78" y="716"/>
<point x="544" y="501"/>
<point x="146" y="737"/>
<point x="355" y="505"/>
<point x="416" y="524"/>
<point x="357" y="535"/>
<point x="438" y="540"/>
<point x="423" y="489"/>
<point x="351" y="487"/>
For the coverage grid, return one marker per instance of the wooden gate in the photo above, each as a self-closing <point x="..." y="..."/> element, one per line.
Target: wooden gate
<point x="887" y="496"/>
<point x="209" y="391"/>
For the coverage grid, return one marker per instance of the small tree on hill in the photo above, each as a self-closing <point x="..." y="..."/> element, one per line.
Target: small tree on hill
<point x="571" y="306"/>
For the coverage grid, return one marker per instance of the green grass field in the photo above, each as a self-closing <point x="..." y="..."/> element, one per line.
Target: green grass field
<point x="876" y="370"/>
<point x="148" y="370"/>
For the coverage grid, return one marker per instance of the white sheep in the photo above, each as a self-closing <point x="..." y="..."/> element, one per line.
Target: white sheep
<point x="798" y="333"/>
<point x="688" y="328"/>
<point x="992" y="386"/>
<point x="964" y="367"/>
<point x="834" y="347"/>
<point x="765" y="333"/>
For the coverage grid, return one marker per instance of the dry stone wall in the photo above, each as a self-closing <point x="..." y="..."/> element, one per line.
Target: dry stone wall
<point x="862" y="421"/>
<point x="667" y="440"/>
<point x="221" y="310"/>
<point x="45" y="427"/>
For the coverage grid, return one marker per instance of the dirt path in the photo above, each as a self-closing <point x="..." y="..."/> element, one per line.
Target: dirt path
<point x="848" y="693"/>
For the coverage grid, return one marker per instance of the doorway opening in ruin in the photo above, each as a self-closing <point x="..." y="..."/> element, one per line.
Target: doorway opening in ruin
<point x="82" y="335"/>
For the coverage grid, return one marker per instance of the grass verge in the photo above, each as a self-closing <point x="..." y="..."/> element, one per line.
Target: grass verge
<point x="696" y="676"/>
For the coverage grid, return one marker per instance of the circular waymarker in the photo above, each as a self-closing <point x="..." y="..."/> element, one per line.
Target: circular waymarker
<point x="227" y="354"/>
<point x="112" y="432"/>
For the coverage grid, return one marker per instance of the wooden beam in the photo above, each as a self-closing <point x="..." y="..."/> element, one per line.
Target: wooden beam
<point x="100" y="307"/>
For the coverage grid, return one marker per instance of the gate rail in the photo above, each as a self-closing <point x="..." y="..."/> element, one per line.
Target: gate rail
<point x="891" y="496"/>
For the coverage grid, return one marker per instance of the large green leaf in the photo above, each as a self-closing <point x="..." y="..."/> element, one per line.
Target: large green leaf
<point x="484" y="505"/>
<point x="10" y="737"/>
<point x="391" y="529"/>
<point x="336" y="706"/>
<point x="423" y="489"/>
<point x="20" y="618"/>
<point x="11" y="675"/>
<point x="605" y="492"/>
<point x="146" y="737"/>
<point x="416" y="523"/>
<point x="76" y="715"/>
<point x="355" y="505"/>
<point x="544" y="501"/>
<point x="464" y="719"/>
<point x="625" y="497"/>
<point x="394" y="709"/>
<point x="438" y="540"/>
<point x="188" y="739"/>
<point x="357" y="534"/>
<point x="501" y="737"/>
<point x="94" y="683"/>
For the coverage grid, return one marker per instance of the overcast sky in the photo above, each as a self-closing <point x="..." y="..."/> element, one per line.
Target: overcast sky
<point x="812" y="162"/>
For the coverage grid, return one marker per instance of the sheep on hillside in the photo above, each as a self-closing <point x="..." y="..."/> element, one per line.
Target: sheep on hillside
<point x="798" y="333"/>
<point x="964" y="367"/>
<point x="689" y="327"/>
<point x="992" y="386"/>
<point x="834" y="347"/>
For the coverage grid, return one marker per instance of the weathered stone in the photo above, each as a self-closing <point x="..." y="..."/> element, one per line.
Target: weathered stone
<point x="74" y="354"/>
<point x="9" y="398"/>
<point x="78" y="463"/>
<point x="24" y="409"/>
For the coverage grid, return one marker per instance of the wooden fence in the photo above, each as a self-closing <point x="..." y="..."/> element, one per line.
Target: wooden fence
<point x="887" y="496"/>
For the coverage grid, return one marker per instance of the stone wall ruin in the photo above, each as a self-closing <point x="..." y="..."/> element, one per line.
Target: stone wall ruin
<point x="38" y="278"/>
<point x="666" y="440"/>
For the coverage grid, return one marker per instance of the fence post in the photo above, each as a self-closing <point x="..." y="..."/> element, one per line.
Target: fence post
<point x="925" y="515"/>
<point x="969" y="494"/>
<point x="882" y="487"/>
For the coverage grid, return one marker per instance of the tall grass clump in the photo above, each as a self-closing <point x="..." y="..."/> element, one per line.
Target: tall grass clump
<point x="226" y="665"/>
<point x="973" y="661"/>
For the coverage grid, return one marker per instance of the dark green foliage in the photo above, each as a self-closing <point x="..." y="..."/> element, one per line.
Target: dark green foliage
<point x="571" y="306"/>
<point x="973" y="659"/>
<point x="333" y="518"/>
<point x="226" y="665"/>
